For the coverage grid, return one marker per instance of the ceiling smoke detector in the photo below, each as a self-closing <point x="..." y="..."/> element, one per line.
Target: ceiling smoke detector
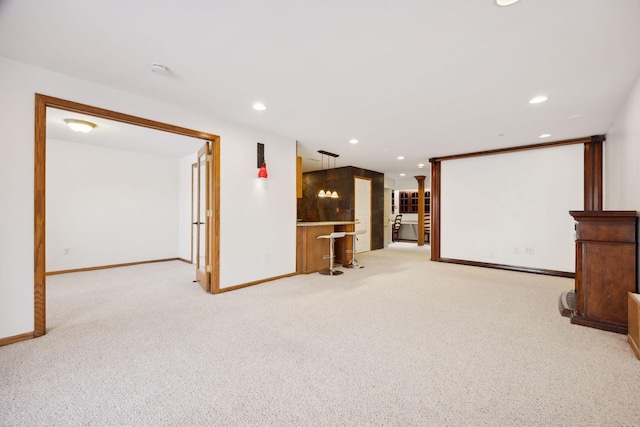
<point x="159" y="69"/>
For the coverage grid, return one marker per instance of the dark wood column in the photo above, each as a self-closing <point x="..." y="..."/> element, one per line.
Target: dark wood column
<point x="593" y="173"/>
<point x="435" y="209"/>
<point x="420" y="179"/>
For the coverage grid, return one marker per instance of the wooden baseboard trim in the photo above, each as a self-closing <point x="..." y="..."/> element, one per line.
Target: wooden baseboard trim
<point x="16" y="338"/>
<point x="257" y="282"/>
<point x="510" y="267"/>
<point x="634" y="346"/>
<point x="618" y="328"/>
<point x="184" y="260"/>
<point x="103" y="267"/>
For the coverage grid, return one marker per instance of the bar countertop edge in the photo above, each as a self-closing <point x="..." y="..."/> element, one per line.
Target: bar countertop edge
<point x="319" y="223"/>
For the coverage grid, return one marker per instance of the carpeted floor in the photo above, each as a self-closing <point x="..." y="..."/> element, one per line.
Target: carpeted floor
<point x="403" y="341"/>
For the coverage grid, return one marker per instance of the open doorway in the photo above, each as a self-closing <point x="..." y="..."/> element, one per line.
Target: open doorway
<point x="211" y="186"/>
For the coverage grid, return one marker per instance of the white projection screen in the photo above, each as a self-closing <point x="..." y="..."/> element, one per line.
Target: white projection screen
<point x="512" y="209"/>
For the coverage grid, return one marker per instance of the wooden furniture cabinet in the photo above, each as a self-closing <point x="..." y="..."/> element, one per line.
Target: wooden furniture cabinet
<point x="606" y="254"/>
<point x="409" y="202"/>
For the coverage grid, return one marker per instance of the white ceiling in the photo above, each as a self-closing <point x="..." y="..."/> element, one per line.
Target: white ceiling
<point x="419" y="78"/>
<point x="120" y="136"/>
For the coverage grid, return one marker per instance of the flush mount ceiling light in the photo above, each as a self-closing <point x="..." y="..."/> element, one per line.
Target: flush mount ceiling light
<point x="538" y="99"/>
<point x="400" y="157"/>
<point x="80" y="125"/>
<point x="259" y="106"/>
<point x="353" y="141"/>
<point x="504" y="3"/>
<point x="403" y="174"/>
<point x="420" y="165"/>
<point x="159" y="69"/>
<point x="545" y="135"/>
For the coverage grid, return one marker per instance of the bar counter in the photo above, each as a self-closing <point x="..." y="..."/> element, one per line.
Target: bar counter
<point x="310" y="250"/>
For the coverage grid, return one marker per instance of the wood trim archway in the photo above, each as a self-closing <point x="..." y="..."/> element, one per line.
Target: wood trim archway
<point x="593" y="147"/>
<point x="41" y="104"/>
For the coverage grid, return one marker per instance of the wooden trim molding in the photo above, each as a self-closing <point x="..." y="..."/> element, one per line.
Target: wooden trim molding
<point x="592" y="190"/>
<point x="435" y="210"/>
<point x="593" y="173"/>
<point x="16" y="338"/>
<point x="420" y="179"/>
<point x="104" y="267"/>
<point x="583" y="140"/>
<point x="40" y="139"/>
<point x="257" y="282"/>
<point x="510" y="267"/>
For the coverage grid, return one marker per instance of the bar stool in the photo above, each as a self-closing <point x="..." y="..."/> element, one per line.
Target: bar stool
<point x="354" y="261"/>
<point x="335" y="235"/>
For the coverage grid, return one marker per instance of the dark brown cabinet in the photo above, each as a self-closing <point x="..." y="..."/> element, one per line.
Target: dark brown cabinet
<point x="409" y="202"/>
<point x="606" y="254"/>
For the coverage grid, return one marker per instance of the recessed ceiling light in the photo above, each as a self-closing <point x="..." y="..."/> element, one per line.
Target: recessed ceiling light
<point x="259" y="106"/>
<point x="421" y="165"/>
<point x="80" y="125"/>
<point x="538" y="99"/>
<point x="402" y="174"/>
<point x="545" y="135"/>
<point x="353" y="141"/>
<point x="503" y="3"/>
<point x="400" y="157"/>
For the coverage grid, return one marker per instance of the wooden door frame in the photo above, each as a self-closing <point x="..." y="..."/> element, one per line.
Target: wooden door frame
<point x="39" y="213"/>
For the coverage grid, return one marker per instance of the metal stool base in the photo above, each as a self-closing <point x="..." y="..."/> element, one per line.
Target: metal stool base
<point x="329" y="272"/>
<point x="353" y="266"/>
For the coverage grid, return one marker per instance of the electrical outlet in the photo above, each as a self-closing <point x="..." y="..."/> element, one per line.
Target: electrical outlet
<point x="528" y="250"/>
<point x="265" y="257"/>
<point x="514" y="251"/>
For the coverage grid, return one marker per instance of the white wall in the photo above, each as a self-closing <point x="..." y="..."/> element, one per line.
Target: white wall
<point x="256" y="217"/>
<point x="622" y="158"/>
<point x="109" y="206"/>
<point x="494" y="205"/>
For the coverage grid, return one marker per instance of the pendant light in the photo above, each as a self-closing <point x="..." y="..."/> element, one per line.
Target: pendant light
<point x="328" y="193"/>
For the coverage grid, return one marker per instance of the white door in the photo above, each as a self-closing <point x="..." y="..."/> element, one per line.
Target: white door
<point x="363" y="213"/>
<point x="204" y="213"/>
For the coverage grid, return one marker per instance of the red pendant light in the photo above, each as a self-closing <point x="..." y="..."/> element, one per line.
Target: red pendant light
<point x="262" y="173"/>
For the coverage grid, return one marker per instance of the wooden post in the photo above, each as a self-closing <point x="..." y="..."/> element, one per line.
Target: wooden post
<point x="420" y="179"/>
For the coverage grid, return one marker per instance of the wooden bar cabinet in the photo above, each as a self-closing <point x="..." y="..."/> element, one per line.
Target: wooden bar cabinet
<point x="606" y="254"/>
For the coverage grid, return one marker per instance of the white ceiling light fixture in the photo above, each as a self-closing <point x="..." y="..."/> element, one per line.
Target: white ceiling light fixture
<point x="420" y="165"/>
<point x="159" y="69"/>
<point x="545" y="135"/>
<point x="538" y="99"/>
<point x="80" y="125"/>
<point x="259" y="106"/>
<point x="400" y="157"/>
<point x="504" y="3"/>
<point x="322" y="193"/>
<point x="353" y="141"/>
<point x="403" y="174"/>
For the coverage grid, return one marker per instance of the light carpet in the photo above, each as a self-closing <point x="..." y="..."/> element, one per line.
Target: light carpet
<point x="403" y="341"/>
